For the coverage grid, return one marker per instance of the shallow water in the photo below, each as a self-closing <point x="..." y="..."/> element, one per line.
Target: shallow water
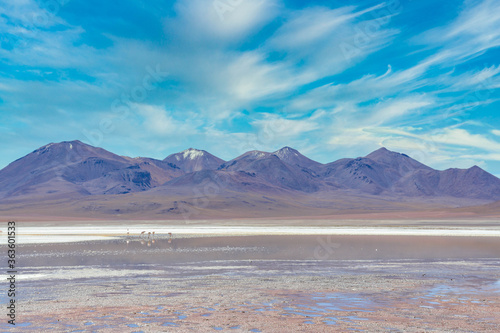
<point x="120" y="255"/>
<point x="116" y="269"/>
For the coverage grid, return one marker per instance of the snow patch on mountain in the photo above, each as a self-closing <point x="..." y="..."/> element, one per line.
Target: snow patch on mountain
<point x="286" y="151"/>
<point x="257" y="154"/>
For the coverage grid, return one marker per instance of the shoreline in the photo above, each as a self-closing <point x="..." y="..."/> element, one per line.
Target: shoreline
<point x="272" y="296"/>
<point x="210" y="279"/>
<point x="71" y="233"/>
<point x="77" y="231"/>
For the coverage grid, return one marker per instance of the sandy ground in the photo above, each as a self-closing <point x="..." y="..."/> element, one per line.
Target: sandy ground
<point x="262" y="283"/>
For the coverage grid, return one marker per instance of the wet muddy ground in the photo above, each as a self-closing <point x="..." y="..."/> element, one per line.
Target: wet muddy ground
<point x="261" y="284"/>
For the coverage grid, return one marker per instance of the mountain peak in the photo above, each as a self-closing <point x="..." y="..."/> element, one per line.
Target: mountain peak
<point x="58" y="145"/>
<point x="286" y="151"/>
<point x="192" y="159"/>
<point x="72" y="150"/>
<point x="384" y="153"/>
<point x="76" y="169"/>
<point x="191" y="153"/>
<point x="294" y="157"/>
<point x="380" y="152"/>
<point x="398" y="161"/>
<point x="255" y="154"/>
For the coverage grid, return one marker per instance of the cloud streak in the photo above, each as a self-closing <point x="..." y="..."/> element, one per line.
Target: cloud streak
<point x="330" y="80"/>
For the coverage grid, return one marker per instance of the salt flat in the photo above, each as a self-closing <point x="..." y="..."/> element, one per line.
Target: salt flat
<point x="92" y="287"/>
<point x="258" y="277"/>
<point x="33" y="233"/>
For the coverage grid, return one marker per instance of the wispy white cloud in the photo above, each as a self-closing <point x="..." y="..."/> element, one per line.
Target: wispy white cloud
<point x="473" y="32"/>
<point x="461" y="137"/>
<point x="327" y="41"/>
<point x="281" y="128"/>
<point x="157" y="120"/>
<point x="439" y="148"/>
<point x="479" y="79"/>
<point x="490" y="157"/>
<point x="393" y="110"/>
<point x="211" y="24"/>
<point x="350" y="76"/>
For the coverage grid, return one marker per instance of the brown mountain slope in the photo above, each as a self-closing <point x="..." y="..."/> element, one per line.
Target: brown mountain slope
<point x="77" y="179"/>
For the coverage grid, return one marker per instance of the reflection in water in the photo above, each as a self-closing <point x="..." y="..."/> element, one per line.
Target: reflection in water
<point x="166" y="250"/>
<point x="188" y="270"/>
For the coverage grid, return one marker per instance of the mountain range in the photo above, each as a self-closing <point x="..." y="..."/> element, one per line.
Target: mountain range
<point x="75" y="179"/>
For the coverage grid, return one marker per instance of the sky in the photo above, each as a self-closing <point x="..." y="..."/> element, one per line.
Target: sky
<point x="331" y="79"/>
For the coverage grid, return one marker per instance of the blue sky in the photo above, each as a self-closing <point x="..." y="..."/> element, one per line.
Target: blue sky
<point x="330" y="78"/>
